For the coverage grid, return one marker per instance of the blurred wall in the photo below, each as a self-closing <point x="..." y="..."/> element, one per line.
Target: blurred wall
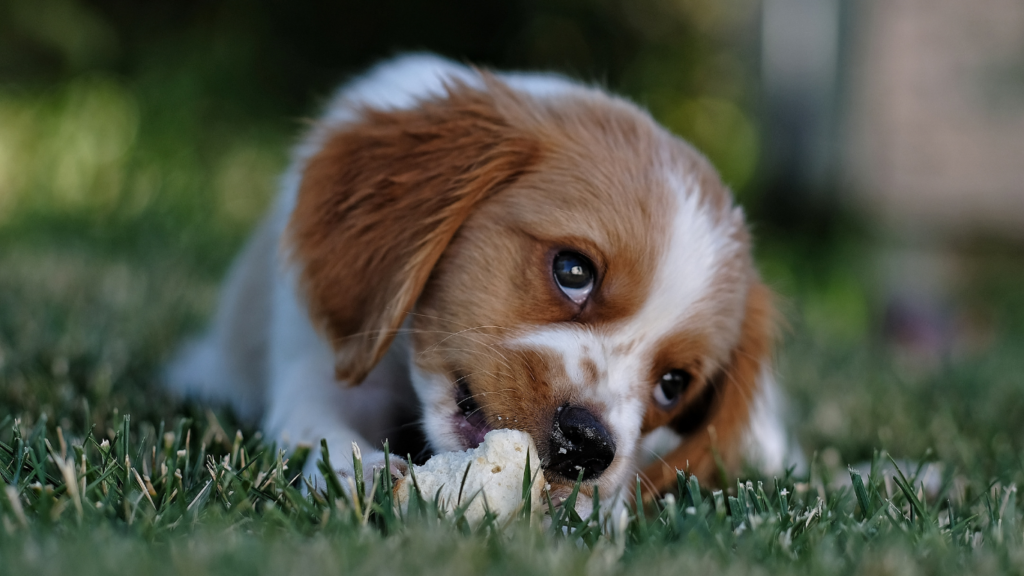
<point x="935" y="122"/>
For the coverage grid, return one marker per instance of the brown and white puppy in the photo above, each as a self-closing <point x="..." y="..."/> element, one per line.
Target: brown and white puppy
<point x="474" y="251"/>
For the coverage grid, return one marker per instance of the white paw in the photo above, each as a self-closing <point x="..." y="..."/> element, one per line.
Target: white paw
<point x="371" y="464"/>
<point x="344" y="468"/>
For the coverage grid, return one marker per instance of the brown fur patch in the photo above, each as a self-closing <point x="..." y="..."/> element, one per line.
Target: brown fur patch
<point x="722" y="433"/>
<point x="381" y="200"/>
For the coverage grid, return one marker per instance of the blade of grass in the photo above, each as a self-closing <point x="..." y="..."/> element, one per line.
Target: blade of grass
<point x="861" y="493"/>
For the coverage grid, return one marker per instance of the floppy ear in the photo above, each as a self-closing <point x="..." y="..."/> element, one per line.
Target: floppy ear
<point x="715" y="423"/>
<point x="381" y="200"/>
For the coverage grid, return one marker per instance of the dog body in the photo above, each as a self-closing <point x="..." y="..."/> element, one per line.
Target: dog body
<point x="471" y="251"/>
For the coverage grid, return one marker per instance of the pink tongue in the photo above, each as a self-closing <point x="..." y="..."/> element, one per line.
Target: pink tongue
<point x="472" y="428"/>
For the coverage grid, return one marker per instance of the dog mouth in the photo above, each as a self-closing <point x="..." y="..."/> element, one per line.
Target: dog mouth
<point x="470" y="422"/>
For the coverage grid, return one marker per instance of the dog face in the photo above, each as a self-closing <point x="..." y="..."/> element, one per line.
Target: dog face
<point x="568" y="269"/>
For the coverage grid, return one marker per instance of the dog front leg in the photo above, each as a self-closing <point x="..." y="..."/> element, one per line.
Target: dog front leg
<point x="307" y="405"/>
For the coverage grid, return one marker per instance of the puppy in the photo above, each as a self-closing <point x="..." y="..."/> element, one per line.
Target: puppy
<point x="465" y="251"/>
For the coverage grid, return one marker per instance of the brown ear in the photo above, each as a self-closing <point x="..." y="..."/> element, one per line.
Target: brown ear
<point x="715" y="423"/>
<point x="381" y="200"/>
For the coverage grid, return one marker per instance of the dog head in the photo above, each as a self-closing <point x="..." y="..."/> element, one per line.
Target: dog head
<point x="565" y="265"/>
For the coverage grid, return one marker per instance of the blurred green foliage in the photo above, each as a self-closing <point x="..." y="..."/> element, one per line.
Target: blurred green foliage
<point x="110" y="110"/>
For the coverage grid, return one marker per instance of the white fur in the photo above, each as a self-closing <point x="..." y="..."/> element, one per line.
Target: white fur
<point x="767" y="443"/>
<point x="438" y="407"/>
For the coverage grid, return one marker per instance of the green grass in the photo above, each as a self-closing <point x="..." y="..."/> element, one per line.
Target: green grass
<point x="97" y="289"/>
<point x="172" y="500"/>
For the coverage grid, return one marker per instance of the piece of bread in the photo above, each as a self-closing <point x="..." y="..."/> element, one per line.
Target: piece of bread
<point x="495" y="479"/>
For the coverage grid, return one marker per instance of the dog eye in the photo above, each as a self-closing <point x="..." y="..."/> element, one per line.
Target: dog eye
<point x="574" y="274"/>
<point x="671" y="387"/>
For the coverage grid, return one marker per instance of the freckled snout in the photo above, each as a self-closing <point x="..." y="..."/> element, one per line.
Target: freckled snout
<point x="579" y="441"/>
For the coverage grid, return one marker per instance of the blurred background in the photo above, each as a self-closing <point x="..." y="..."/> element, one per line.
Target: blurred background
<point x="877" y="146"/>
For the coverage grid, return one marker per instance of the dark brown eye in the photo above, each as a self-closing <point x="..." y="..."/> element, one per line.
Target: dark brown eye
<point x="671" y="387"/>
<point x="574" y="275"/>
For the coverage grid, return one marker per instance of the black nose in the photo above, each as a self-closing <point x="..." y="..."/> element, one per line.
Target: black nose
<point x="579" y="442"/>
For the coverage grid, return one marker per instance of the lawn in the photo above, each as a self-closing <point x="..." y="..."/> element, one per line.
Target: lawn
<point x="110" y="256"/>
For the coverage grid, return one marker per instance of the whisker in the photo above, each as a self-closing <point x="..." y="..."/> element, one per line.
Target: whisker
<point x="491" y="354"/>
<point x="502" y="361"/>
